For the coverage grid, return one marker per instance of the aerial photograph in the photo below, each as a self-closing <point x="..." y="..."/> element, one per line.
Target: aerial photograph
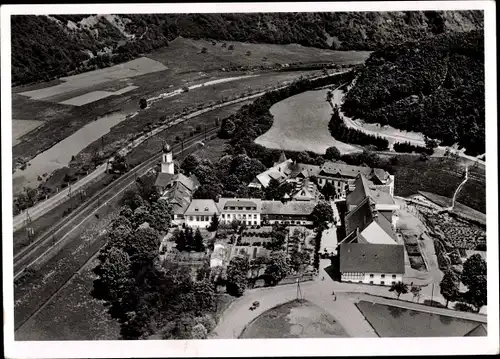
<point x="248" y="175"/>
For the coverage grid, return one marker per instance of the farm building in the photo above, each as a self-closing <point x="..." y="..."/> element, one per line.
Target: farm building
<point x="381" y="264"/>
<point x="292" y="212"/>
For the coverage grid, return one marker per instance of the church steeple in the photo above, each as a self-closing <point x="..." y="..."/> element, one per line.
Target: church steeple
<point x="167" y="161"/>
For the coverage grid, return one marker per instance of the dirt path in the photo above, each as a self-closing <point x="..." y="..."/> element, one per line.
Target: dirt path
<point x="458" y="189"/>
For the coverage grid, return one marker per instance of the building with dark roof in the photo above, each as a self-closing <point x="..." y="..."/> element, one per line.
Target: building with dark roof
<point x="292" y="212"/>
<point x="381" y="264"/>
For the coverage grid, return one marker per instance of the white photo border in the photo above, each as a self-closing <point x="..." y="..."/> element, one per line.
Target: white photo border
<point x="254" y="347"/>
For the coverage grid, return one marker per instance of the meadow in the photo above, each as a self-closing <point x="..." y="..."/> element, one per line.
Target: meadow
<point x="301" y="124"/>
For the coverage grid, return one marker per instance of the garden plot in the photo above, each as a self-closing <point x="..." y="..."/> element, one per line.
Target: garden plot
<point x="137" y="67"/>
<point x="301" y="124"/>
<point x="20" y="127"/>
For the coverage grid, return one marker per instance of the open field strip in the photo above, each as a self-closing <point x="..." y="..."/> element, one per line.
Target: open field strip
<point x="20" y="127"/>
<point x="137" y="67"/>
<point x="95" y="96"/>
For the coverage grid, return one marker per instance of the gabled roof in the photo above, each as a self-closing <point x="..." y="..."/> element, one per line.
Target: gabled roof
<point x="278" y="172"/>
<point x="344" y="170"/>
<point x="223" y="203"/>
<point x="288" y="208"/>
<point x="380" y="174"/>
<point x="202" y="206"/>
<point x="365" y="188"/>
<point x="360" y="217"/>
<point x="164" y="179"/>
<point x="375" y="234"/>
<point x="305" y="169"/>
<point x="371" y="258"/>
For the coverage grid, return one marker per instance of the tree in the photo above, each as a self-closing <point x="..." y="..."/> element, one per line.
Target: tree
<point x="120" y="163"/>
<point x="113" y="273"/>
<point x="214" y="223"/>
<point x="430" y="145"/>
<point x="190" y="163"/>
<point x="189" y="235"/>
<point x="141" y="216"/>
<point x="277" y="268"/>
<point x="449" y="287"/>
<point x="204" y="50"/>
<point x="208" y="191"/>
<point x="415" y="290"/>
<point x="322" y="214"/>
<point x="476" y="294"/>
<point x="474" y="277"/>
<point x="199" y="332"/>
<point x="143" y="103"/>
<point x="227" y="128"/>
<point x="399" y="288"/>
<point x="474" y="269"/>
<point x="332" y="153"/>
<point x="198" y="241"/>
<point x="161" y="211"/>
<point x="272" y="191"/>
<point x="237" y="272"/>
<point x="180" y="240"/>
<point x="146" y="187"/>
<point x="299" y="260"/>
<point x="132" y="199"/>
<point x="328" y="191"/>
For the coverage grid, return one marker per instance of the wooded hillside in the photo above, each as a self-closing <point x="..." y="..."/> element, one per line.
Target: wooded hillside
<point x="434" y="86"/>
<point x="47" y="47"/>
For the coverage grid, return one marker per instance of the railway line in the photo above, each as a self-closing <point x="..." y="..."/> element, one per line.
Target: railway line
<point x="40" y="250"/>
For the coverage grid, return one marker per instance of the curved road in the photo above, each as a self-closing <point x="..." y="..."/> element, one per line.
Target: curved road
<point x="237" y="316"/>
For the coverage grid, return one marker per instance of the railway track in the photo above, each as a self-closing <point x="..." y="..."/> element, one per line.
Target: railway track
<point x="40" y="250"/>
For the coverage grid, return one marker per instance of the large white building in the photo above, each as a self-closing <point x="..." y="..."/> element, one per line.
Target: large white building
<point x="381" y="264"/>
<point x="246" y="210"/>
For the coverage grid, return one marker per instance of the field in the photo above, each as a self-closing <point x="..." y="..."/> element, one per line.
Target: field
<point x="213" y="150"/>
<point x="440" y="176"/>
<point x="294" y="320"/>
<point x="301" y="123"/>
<point x="184" y="55"/>
<point x="459" y="207"/>
<point x="137" y="67"/>
<point x="20" y="127"/>
<point x="390" y="321"/>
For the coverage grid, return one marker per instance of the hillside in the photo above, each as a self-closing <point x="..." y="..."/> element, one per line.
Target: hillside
<point x="46" y="47"/>
<point x="434" y="86"/>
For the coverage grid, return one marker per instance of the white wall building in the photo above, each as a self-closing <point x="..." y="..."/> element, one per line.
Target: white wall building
<point x="380" y="264"/>
<point x="200" y="212"/>
<point x="246" y="210"/>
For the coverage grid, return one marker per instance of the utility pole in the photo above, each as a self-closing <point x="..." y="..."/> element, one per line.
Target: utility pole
<point x="182" y="147"/>
<point x="299" y="291"/>
<point x="432" y="295"/>
<point x="205" y="127"/>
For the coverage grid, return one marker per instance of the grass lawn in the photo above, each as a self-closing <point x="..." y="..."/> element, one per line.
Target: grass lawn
<point x="390" y="321"/>
<point x="213" y="149"/>
<point x="294" y="319"/>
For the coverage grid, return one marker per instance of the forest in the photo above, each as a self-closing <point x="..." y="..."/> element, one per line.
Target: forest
<point x="434" y="86"/>
<point x="45" y="48"/>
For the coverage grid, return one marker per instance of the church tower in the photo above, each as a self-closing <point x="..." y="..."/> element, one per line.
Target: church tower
<point x="167" y="162"/>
